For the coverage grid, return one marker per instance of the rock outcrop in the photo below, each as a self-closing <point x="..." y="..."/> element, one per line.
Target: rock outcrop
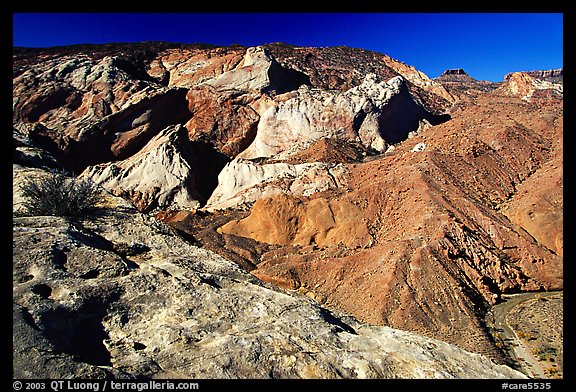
<point x="525" y="85"/>
<point x="226" y="108"/>
<point x="118" y="295"/>
<point x="242" y="182"/>
<point x="88" y="107"/>
<point x="162" y="175"/>
<point x="420" y="79"/>
<point x="453" y="72"/>
<point x="285" y="220"/>
<point x="551" y="75"/>
<point x="375" y="114"/>
<point x="88" y="111"/>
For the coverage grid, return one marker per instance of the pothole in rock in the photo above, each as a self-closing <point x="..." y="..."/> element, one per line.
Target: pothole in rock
<point x="43" y="290"/>
<point x="79" y="332"/>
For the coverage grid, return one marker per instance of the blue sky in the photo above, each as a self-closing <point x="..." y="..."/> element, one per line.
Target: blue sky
<point x="486" y="45"/>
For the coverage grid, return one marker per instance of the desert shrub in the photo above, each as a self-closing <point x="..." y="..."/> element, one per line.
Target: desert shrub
<point x="551" y="372"/>
<point x="59" y="195"/>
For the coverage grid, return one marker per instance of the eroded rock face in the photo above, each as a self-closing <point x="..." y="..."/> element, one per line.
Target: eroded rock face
<point x="551" y="75"/>
<point x="118" y="295"/>
<point x="420" y="79"/>
<point x="285" y="220"/>
<point x="160" y="176"/>
<point x="225" y="120"/>
<point x="242" y="182"/>
<point x="226" y="108"/>
<point x="375" y="113"/>
<point x="525" y="85"/>
<point x="90" y="111"/>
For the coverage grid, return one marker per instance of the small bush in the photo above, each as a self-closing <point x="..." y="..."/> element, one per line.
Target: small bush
<point x="59" y="195"/>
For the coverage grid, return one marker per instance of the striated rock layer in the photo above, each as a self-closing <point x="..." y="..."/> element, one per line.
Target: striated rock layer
<point x="118" y="295"/>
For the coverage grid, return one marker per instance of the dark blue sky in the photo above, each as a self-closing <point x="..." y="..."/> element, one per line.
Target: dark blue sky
<point x="486" y="45"/>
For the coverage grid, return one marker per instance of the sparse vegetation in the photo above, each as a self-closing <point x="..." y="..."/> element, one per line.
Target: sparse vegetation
<point x="59" y="195"/>
<point x="545" y="353"/>
<point x="552" y="372"/>
<point x="526" y="335"/>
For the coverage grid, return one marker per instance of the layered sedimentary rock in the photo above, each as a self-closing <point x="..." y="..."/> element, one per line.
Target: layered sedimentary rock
<point x="226" y="108"/>
<point x="552" y="75"/>
<point x="375" y="113"/>
<point x="118" y="295"/>
<point x="325" y="170"/>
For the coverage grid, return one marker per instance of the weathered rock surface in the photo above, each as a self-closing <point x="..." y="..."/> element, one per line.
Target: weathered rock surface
<point x="242" y="182"/>
<point x="159" y="176"/>
<point x="226" y="120"/>
<point x="424" y="237"/>
<point x="285" y="220"/>
<point x="226" y="107"/>
<point x="191" y="66"/>
<point x="27" y="153"/>
<point x="89" y="105"/>
<point x="419" y="79"/>
<point x="551" y="75"/>
<point x="118" y="295"/>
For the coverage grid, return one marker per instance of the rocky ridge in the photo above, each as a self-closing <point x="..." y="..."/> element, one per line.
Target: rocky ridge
<point x="551" y="75"/>
<point x="90" y="110"/>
